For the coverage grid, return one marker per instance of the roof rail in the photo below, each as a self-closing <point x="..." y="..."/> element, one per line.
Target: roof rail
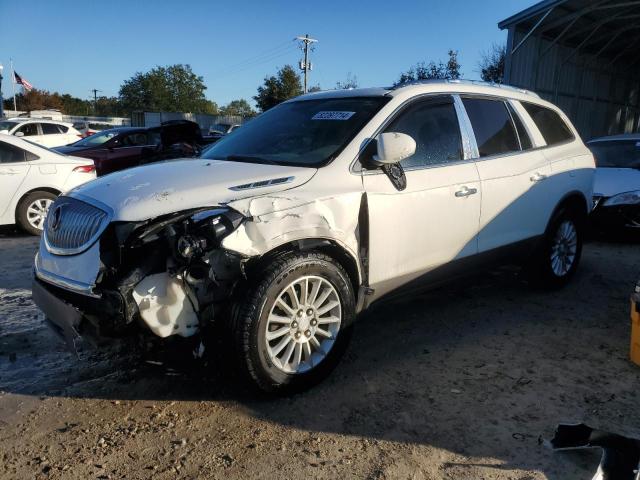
<point x="468" y="82"/>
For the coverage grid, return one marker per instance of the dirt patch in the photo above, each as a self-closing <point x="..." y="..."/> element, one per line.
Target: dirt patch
<point x="459" y="383"/>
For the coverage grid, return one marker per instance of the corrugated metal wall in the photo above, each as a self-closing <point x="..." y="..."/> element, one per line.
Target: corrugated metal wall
<point x="598" y="98"/>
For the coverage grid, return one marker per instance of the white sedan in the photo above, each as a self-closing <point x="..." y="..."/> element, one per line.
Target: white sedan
<point x="31" y="177"/>
<point x="49" y="133"/>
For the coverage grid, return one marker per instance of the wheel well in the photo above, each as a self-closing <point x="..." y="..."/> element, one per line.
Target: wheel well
<point x="574" y="201"/>
<point x="328" y="247"/>
<point x="39" y="189"/>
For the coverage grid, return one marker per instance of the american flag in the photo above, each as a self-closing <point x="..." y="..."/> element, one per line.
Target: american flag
<point x="21" y="81"/>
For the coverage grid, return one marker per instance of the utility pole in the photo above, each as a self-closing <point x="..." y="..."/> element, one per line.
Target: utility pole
<point x="95" y="100"/>
<point x="305" y="66"/>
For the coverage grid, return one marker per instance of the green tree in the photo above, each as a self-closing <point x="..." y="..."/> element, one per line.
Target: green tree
<point x="278" y="88"/>
<point x="492" y="64"/>
<point x="238" y="107"/>
<point x="350" y="82"/>
<point x="174" y="88"/>
<point x="433" y="70"/>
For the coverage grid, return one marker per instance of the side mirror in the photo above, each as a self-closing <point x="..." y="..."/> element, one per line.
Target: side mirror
<point x="19" y="134"/>
<point x="394" y="147"/>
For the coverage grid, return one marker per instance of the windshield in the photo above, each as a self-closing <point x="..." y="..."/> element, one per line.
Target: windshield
<point x="96" y="139"/>
<point x="307" y="133"/>
<point x="7" y="125"/>
<point x="616" y="153"/>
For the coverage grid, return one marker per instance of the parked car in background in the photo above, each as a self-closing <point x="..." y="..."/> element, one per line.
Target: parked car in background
<point x="123" y="147"/>
<point x="616" y="187"/>
<point x="49" y="133"/>
<point x="284" y="231"/>
<point x="89" y="128"/>
<point x="219" y="130"/>
<point x="31" y="177"/>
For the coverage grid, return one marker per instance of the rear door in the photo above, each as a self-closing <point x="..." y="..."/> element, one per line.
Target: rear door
<point x="52" y="136"/>
<point x="434" y="220"/>
<point x="515" y="199"/>
<point x="13" y="171"/>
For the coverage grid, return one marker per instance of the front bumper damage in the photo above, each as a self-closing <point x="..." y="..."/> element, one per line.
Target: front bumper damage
<point x="158" y="278"/>
<point x="614" y="217"/>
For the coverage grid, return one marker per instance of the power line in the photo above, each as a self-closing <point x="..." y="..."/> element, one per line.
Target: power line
<point x="306" y="65"/>
<point x="266" y="55"/>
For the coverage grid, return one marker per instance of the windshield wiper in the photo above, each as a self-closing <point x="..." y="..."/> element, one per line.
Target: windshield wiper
<point x="249" y="159"/>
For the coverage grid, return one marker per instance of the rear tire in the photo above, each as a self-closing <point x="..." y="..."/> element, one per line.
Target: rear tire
<point x="32" y="211"/>
<point x="557" y="258"/>
<point x="293" y="324"/>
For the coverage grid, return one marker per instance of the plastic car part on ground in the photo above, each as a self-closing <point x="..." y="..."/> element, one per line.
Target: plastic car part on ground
<point x="620" y="455"/>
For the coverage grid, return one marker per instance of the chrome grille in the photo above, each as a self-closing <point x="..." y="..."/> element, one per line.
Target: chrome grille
<point x="72" y="226"/>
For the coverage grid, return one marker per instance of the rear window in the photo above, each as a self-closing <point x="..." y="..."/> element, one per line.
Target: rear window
<point x="11" y="153"/>
<point x="616" y="153"/>
<point x="494" y="131"/>
<point x="550" y="124"/>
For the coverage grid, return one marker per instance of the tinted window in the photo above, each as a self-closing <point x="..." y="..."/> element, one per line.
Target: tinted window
<point x="29" y="129"/>
<point x="49" y="129"/>
<point x="616" y="153"/>
<point x="307" y="133"/>
<point x="433" y="124"/>
<point x="551" y="126"/>
<point x="134" y="140"/>
<point x="10" y="153"/>
<point x="523" y="135"/>
<point x="63" y="128"/>
<point x="492" y="126"/>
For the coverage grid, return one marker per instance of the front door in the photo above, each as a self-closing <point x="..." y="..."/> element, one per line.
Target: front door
<point x="434" y="221"/>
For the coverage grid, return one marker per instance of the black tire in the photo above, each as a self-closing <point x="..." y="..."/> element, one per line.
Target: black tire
<point x="540" y="271"/>
<point x="22" y="218"/>
<point x="249" y="321"/>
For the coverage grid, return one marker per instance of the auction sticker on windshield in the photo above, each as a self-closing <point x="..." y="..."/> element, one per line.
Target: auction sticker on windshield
<point x="333" y="115"/>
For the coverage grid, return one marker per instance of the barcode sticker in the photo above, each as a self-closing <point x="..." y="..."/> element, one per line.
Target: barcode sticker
<point x="333" y="115"/>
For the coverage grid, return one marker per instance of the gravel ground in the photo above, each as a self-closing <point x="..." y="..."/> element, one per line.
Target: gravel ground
<point x="463" y="382"/>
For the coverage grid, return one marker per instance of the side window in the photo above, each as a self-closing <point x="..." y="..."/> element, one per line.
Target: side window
<point x="523" y="135"/>
<point x="11" y="153"/>
<point x="135" y="140"/>
<point x="550" y="124"/>
<point x="49" y="129"/>
<point x="433" y="124"/>
<point x="63" y="128"/>
<point x="494" y="131"/>
<point x="29" y="129"/>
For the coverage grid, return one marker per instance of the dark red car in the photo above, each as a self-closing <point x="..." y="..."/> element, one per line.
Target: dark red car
<point x="125" y="147"/>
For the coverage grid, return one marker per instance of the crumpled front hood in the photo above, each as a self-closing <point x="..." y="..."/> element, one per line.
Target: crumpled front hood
<point x="166" y="187"/>
<point x="612" y="181"/>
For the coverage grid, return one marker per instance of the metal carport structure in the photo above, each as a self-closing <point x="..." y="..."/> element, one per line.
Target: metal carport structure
<point x="583" y="56"/>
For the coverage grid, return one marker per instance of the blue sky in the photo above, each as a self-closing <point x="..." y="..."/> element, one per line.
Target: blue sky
<point x="74" y="46"/>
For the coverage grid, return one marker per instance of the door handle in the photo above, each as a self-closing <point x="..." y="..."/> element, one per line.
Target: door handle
<point x="537" y="177"/>
<point x="10" y="171"/>
<point x="466" y="191"/>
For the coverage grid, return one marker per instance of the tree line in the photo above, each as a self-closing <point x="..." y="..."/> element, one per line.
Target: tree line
<point x="176" y="88"/>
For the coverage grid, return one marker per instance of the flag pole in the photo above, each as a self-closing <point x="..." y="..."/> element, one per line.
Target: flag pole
<point x="13" y="86"/>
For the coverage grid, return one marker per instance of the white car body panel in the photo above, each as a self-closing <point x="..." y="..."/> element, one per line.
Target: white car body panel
<point x="51" y="171"/>
<point x="160" y="188"/>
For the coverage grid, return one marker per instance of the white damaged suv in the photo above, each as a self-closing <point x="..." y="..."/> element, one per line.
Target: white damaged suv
<point x="284" y="231"/>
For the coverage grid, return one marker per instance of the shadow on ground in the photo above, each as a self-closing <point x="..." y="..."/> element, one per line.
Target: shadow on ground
<point x="484" y="369"/>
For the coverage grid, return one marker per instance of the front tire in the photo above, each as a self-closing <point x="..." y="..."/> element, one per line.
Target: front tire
<point x="294" y="323"/>
<point x="32" y="211"/>
<point x="558" y="256"/>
